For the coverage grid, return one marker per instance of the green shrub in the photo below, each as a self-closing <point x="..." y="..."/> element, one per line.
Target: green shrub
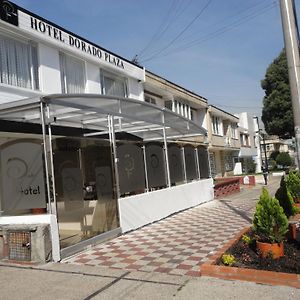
<point x="293" y="184"/>
<point x="285" y="199"/>
<point x="284" y="159"/>
<point x="228" y="259"/>
<point x="269" y="221"/>
<point x="249" y="166"/>
<point x="274" y="154"/>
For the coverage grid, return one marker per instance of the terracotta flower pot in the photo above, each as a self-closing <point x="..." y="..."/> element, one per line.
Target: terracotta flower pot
<point x="266" y="248"/>
<point x="38" y="211"/>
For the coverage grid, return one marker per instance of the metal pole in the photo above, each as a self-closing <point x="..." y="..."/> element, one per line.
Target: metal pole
<point x="289" y="24"/>
<point x="45" y="156"/>
<point x="52" y="162"/>
<point x="265" y="152"/>
<point x="184" y="164"/>
<point x="115" y="157"/>
<point x="197" y="163"/>
<point x="146" y="170"/>
<point x="166" y="151"/>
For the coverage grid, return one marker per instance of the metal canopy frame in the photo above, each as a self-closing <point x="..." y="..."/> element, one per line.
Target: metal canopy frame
<point x="101" y="115"/>
<point x="90" y="111"/>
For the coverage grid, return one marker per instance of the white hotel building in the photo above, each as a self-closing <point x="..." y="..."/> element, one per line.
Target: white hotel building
<point x="80" y="149"/>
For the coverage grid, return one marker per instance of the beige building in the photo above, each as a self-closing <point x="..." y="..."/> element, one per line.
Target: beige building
<point x="224" y="141"/>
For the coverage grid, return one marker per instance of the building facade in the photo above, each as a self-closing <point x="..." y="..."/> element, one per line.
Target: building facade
<point x="250" y="152"/>
<point x="83" y="144"/>
<point x="224" y="142"/>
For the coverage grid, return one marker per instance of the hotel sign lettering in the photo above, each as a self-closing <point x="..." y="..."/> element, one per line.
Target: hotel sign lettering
<point x="11" y="14"/>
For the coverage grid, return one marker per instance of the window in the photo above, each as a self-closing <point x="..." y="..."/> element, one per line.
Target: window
<point x="193" y="114"/>
<point x="150" y="99"/>
<point x="113" y="85"/>
<point x="234" y="130"/>
<point x="245" y="140"/>
<point x="168" y="104"/>
<point x="18" y="63"/>
<point x="72" y="74"/>
<point x="216" y="123"/>
<point x="182" y="109"/>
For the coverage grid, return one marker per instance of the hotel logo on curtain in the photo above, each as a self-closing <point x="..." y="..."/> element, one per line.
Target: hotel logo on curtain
<point x="22" y="176"/>
<point x="9" y="12"/>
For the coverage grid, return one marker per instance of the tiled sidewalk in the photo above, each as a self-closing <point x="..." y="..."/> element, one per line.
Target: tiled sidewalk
<point x="178" y="244"/>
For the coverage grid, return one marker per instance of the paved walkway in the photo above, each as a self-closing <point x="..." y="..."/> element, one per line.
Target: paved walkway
<point x="179" y="244"/>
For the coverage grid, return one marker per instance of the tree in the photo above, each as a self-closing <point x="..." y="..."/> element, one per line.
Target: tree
<point x="284" y="159"/>
<point x="274" y="154"/>
<point x="285" y="199"/>
<point x="277" y="113"/>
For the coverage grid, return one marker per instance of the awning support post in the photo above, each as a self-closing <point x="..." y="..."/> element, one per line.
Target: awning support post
<point x="112" y="138"/>
<point x="184" y="164"/>
<point x="197" y="163"/>
<point x="49" y="209"/>
<point x="51" y="162"/>
<point x="145" y="168"/>
<point x="166" y="152"/>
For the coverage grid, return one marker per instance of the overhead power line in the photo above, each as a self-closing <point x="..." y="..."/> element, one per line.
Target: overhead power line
<point x="232" y="25"/>
<point x="181" y="32"/>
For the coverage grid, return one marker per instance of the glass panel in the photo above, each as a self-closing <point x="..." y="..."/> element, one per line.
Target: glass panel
<point x="131" y="169"/>
<point x="175" y="164"/>
<point x="155" y="166"/>
<point x="22" y="177"/>
<point x="86" y="203"/>
<point x="190" y="163"/>
<point x="203" y="162"/>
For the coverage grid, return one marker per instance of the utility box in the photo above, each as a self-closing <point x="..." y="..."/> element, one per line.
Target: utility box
<point x="31" y="243"/>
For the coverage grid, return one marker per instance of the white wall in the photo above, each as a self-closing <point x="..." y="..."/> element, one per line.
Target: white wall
<point x="49" y="70"/>
<point x="139" y="210"/>
<point x="93" y="79"/>
<point x="135" y="89"/>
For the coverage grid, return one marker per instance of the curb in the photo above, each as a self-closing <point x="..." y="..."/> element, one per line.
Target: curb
<point x="232" y="273"/>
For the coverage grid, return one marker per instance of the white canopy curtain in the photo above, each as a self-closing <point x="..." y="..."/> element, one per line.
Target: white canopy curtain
<point x="16" y="62"/>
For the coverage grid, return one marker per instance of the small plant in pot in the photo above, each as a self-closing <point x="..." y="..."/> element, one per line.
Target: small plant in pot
<point x="270" y="225"/>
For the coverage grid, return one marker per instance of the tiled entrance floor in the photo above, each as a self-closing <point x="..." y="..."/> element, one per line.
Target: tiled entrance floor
<point x="178" y="244"/>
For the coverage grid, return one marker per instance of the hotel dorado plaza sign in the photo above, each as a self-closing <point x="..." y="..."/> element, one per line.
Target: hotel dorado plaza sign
<point x="46" y="30"/>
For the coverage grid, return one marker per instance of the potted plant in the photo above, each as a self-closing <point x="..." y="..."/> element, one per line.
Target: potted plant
<point x="270" y="225"/>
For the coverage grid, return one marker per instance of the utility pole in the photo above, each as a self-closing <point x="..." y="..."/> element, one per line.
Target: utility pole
<point x="289" y="25"/>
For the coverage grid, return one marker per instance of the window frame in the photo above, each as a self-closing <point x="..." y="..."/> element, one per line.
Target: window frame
<point x="114" y="77"/>
<point x="63" y="77"/>
<point x="34" y="69"/>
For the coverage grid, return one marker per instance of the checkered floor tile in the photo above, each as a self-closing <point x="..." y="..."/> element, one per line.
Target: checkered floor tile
<point x="178" y="244"/>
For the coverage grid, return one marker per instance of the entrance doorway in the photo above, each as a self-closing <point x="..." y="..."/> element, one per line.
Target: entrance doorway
<point x="86" y="201"/>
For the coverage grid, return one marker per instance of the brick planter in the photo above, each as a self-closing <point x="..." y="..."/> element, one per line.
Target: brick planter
<point x="209" y="268"/>
<point x="224" y="187"/>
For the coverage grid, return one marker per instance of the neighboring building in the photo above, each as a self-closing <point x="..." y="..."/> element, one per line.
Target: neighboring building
<point x="274" y="144"/>
<point x="250" y="153"/>
<point x="224" y="141"/>
<point x="168" y="95"/>
<point x="78" y="140"/>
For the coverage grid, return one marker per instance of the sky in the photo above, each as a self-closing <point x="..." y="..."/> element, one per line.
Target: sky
<point x="215" y="48"/>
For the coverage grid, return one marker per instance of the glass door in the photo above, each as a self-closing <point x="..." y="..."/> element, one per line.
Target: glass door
<point x="86" y="202"/>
